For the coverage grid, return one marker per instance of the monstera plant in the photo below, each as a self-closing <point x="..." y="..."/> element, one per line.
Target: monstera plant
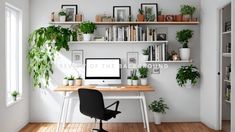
<point x="45" y="42"/>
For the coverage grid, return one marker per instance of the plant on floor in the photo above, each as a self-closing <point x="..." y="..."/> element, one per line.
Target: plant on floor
<point x="187" y="73"/>
<point x="183" y="37"/>
<point x="44" y="43"/>
<point x="14" y="94"/>
<point x="158" y="106"/>
<point x="87" y="27"/>
<point x="187" y="10"/>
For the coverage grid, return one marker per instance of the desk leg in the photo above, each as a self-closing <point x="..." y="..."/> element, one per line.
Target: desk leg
<point x="142" y="112"/>
<point x="67" y="105"/>
<point x="145" y="111"/>
<point x="61" y="113"/>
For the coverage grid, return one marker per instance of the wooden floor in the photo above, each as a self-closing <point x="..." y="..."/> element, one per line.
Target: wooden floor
<point x="120" y="127"/>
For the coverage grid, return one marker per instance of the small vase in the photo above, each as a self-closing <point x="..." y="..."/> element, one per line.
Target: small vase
<point x="71" y="82"/>
<point x="186" y="18"/>
<point x="78" y="82"/>
<point x="62" y="18"/>
<point x="140" y="17"/>
<point x="129" y="82"/>
<point x="178" y="18"/>
<point x="143" y="81"/>
<point x="134" y="82"/>
<point x="161" y="18"/>
<point x="65" y="82"/>
<point x="145" y="57"/>
<point x="185" y="54"/>
<point x="157" y="118"/>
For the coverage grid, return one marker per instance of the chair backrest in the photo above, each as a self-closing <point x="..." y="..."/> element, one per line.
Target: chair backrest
<point x="91" y="103"/>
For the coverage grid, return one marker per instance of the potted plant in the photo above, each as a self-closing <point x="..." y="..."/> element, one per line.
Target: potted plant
<point x="65" y="81"/>
<point x="187" y="76"/>
<point x="161" y="18"/>
<point x="183" y="37"/>
<point x="78" y="81"/>
<point x="71" y="80"/>
<point x="87" y="28"/>
<point x="178" y="18"/>
<point x="187" y="12"/>
<point x="145" y="54"/>
<point x="140" y="16"/>
<point x="62" y="14"/>
<point x="15" y="94"/>
<point x="158" y="107"/>
<point x="135" y="80"/>
<point x="129" y="80"/>
<point x="143" y="75"/>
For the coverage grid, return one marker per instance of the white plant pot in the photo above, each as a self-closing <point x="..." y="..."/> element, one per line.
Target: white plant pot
<point x="62" y="18"/>
<point x="65" y="82"/>
<point x="129" y="82"/>
<point x="185" y="54"/>
<point x="189" y="85"/>
<point x="71" y="82"/>
<point x="87" y="37"/>
<point x="134" y="82"/>
<point x="78" y="82"/>
<point x="145" y="57"/>
<point x="143" y="81"/>
<point x="157" y="118"/>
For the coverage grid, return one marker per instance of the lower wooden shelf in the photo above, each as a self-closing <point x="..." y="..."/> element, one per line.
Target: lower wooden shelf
<point x="181" y="61"/>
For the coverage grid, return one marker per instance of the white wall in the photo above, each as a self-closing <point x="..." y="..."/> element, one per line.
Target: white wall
<point x="210" y="62"/>
<point x="16" y="116"/>
<point x="184" y="103"/>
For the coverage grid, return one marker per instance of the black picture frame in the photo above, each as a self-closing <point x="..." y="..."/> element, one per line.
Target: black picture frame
<point x="125" y="18"/>
<point x="71" y="15"/>
<point x="150" y="4"/>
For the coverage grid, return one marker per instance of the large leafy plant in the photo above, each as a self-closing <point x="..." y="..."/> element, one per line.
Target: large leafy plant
<point x="87" y="27"/>
<point x="158" y="106"/>
<point x="183" y="37"/>
<point x="44" y="43"/>
<point x="187" y="73"/>
<point x="187" y="10"/>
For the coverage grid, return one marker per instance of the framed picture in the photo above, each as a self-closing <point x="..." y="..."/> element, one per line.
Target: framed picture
<point x="77" y="57"/>
<point x="132" y="59"/>
<point x="156" y="70"/>
<point x="150" y="11"/>
<point x="121" y="13"/>
<point x="71" y="11"/>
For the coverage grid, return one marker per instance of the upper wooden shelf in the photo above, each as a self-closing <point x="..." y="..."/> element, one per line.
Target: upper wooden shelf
<point x="130" y="23"/>
<point x="117" y="42"/>
<point x="170" y="61"/>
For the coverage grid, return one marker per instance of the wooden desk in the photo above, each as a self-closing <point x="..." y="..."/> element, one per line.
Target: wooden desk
<point x="139" y="89"/>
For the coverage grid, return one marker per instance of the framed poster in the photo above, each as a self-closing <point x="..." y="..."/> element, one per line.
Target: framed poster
<point x="77" y="57"/>
<point x="121" y="13"/>
<point x="150" y="11"/>
<point x="132" y="59"/>
<point x="71" y="11"/>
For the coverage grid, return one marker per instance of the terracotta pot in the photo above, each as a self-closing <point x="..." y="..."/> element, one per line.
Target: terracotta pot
<point x="186" y="18"/>
<point x="78" y="82"/>
<point x="161" y="18"/>
<point x="78" y="18"/>
<point x="140" y="17"/>
<point x="178" y="18"/>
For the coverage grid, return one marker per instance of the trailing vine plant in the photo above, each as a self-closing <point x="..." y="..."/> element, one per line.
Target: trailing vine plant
<point x="44" y="43"/>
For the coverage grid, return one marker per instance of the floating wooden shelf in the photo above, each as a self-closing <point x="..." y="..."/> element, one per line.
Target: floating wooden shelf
<point x="227" y="32"/>
<point x="227" y="54"/>
<point x="228" y="81"/>
<point x="189" y="61"/>
<point x="117" y="42"/>
<point x="129" y="23"/>
<point x="227" y="101"/>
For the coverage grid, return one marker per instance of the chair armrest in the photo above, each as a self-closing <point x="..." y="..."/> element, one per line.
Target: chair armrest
<point x="117" y="104"/>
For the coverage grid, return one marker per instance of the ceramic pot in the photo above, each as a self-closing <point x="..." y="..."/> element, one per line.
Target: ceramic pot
<point x="78" y="82"/>
<point x="186" y="18"/>
<point x="62" y="18"/>
<point x="134" y="82"/>
<point x="185" y="54"/>
<point x="65" y="82"/>
<point x="129" y="82"/>
<point x="140" y="17"/>
<point x="161" y="18"/>
<point x="145" y="57"/>
<point x="144" y="81"/>
<point x="71" y="82"/>
<point x="178" y="18"/>
<point x="87" y="37"/>
<point x="157" y="118"/>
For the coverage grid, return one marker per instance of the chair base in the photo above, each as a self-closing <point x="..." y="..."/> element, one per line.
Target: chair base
<point x="99" y="130"/>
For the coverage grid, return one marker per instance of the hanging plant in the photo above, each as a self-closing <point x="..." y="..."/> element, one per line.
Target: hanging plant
<point x="44" y="43"/>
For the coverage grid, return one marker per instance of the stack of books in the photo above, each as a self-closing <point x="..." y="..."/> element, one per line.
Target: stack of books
<point x="157" y="52"/>
<point x="130" y="33"/>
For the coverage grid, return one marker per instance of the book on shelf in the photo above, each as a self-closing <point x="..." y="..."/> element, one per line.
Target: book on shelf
<point x="157" y="52"/>
<point x="130" y="33"/>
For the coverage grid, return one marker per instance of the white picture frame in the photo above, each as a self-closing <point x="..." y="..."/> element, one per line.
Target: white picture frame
<point x="77" y="57"/>
<point x="132" y="59"/>
<point x="71" y="11"/>
<point x="121" y="13"/>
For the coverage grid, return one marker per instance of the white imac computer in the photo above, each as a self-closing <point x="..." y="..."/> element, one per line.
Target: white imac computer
<point x="102" y="71"/>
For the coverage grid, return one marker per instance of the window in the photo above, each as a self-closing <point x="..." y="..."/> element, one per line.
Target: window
<point x="13" y="44"/>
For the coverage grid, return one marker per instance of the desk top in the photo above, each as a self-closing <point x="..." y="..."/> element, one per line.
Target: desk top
<point x="111" y="89"/>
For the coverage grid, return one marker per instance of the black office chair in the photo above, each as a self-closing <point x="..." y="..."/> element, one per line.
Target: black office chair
<point x="92" y="104"/>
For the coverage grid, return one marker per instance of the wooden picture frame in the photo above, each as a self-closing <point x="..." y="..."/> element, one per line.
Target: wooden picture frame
<point x="77" y="57"/>
<point x="121" y="13"/>
<point x="145" y="6"/>
<point x="132" y="59"/>
<point x="71" y="10"/>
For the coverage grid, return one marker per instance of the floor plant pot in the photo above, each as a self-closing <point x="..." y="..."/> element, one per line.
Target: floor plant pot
<point x="145" y="57"/>
<point x="87" y="37"/>
<point x="65" y="82"/>
<point x="135" y="82"/>
<point x="62" y="18"/>
<point x="157" y="118"/>
<point x="143" y="81"/>
<point x="185" y="54"/>
<point x="71" y="82"/>
<point x="78" y="82"/>
<point x="129" y="82"/>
